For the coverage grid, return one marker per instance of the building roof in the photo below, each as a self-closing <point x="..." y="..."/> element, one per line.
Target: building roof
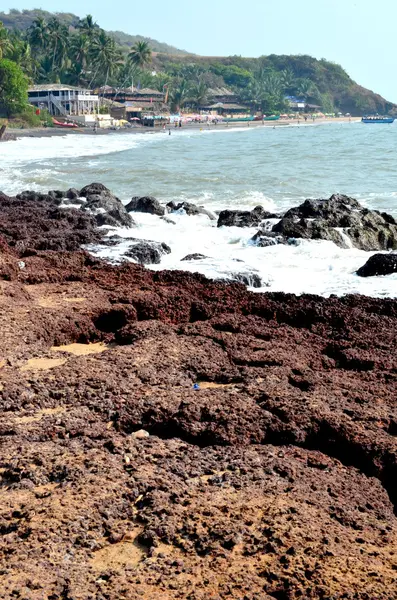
<point x="148" y="92"/>
<point x="111" y="103"/>
<point x="137" y="106"/>
<point x="229" y="105"/>
<point x="55" y="87"/>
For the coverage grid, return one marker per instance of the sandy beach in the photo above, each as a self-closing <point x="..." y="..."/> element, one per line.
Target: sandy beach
<point x="54" y="131"/>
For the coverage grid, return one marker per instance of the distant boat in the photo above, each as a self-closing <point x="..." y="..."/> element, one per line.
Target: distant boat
<point x="377" y="119"/>
<point x="67" y="125"/>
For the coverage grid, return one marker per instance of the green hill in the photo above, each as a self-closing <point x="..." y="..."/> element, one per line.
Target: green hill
<point x="323" y="83"/>
<point x="261" y="83"/>
<point x="21" y="20"/>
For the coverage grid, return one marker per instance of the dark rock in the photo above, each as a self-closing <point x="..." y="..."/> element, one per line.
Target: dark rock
<point x="332" y="209"/>
<point x="57" y="195"/>
<point x="342" y="220"/>
<point x="195" y="256"/>
<point x="107" y="209"/>
<point x="308" y="229"/>
<point x="379" y="264"/>
<point x="33" y="196"/>
<point x="167" y="220"/>
<point x="190" y="209"/>
<point x="249" y="279"/>
<point x="147" y="252"/>
<point x="72" y="194"/>
<point x="146" y="204"/>
<point x="243" y="218"/>
<point x="93" y="188"/>
<point x="264" y="239"/>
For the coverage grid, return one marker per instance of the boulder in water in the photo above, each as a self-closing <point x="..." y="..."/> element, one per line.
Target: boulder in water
<point x="264" y="238"/>
<point x="145" y="204"/>
<point x="195" y="256"/>
<point x="244" y="218"/>
<point x="190" y="209"/>
<point x="342" y="220"/>
<point x="107" y="209"/>
<point x="379" y="264"/>
<point x="147" y="252"/>
<point x="308" y="229"/>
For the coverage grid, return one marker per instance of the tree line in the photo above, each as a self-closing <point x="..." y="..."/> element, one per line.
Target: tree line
<point x="50" y="51"/>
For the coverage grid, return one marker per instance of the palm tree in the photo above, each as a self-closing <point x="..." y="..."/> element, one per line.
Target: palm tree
<point x="161" y="80"/>
<point x="5" y="42"/>
<point x="107" y="58"/>
<point x="88" y="26"/>
<point x="179" y="94"/>
<point x="140" y="55"/>
<point x="288" y="79"/>
<point x="199" y="94"/>
<point x="38" y="34"/>
<point x="58" y="38"/>
<point x="80" y="50"/>
<point x="306" y="88"/>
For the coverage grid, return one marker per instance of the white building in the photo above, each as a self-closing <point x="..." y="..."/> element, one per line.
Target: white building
<point x="63" y="100"/>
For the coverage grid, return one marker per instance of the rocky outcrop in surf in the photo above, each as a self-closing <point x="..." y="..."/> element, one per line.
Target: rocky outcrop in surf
<point x="190" y="209"/>
<point x="146" y="204"/>
<point x="244" y="218"/>
<point x="341" y="220"/>
<point x="379" y="264"/>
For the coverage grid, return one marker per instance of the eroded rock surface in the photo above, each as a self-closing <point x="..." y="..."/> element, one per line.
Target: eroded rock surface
<point x="341" y="220"/>
<point x="243" y="218"/>
<point x="276" y="479"/>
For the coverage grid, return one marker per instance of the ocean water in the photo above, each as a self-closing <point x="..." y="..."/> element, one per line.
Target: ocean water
<point x="229" y="168"/>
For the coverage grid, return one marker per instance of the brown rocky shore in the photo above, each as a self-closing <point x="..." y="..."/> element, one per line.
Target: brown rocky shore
<point x="168" y="437"/>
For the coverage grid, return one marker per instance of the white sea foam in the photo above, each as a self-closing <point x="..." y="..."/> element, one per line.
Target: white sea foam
<point x="316" y="267"/>
<point x="235" y="169"/>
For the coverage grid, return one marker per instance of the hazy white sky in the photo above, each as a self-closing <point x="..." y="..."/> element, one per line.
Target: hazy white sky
<point x="358" y="34"/>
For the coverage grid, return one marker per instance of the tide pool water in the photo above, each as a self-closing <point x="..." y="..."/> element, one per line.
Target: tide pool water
<point x="277" y="168"/>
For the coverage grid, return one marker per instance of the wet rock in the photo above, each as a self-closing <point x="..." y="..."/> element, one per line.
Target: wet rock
<point x="243" y="218"/>
<point x="147" y="252"/>
<point x="308" y="229"/>
<point x="263" y="239"/>
<point x="168" y="220"/>
<point x="190" y="209"/>
<point x="337" y="210"/>
<point x="72" y="194"/>
<point x="342" y="220"/>
<point x="145" y="204"/>
<point x="94" y="188"/>
<point x="107" y="209"/>
<point x="196" y="256"/>
<point x="57" y="195"/>
<point x="249" y="279"/>
<point x="379" y="264"/>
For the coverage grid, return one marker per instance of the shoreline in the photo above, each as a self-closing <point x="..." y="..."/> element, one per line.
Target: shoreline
<point x="42" y="132"/>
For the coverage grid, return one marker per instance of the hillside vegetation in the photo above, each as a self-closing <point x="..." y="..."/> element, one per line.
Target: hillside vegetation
<point x="22" y="20"/>
<point x="61" y="47"/>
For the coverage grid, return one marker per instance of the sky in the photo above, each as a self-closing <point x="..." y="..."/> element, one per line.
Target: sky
<point x="357" y="34"/>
